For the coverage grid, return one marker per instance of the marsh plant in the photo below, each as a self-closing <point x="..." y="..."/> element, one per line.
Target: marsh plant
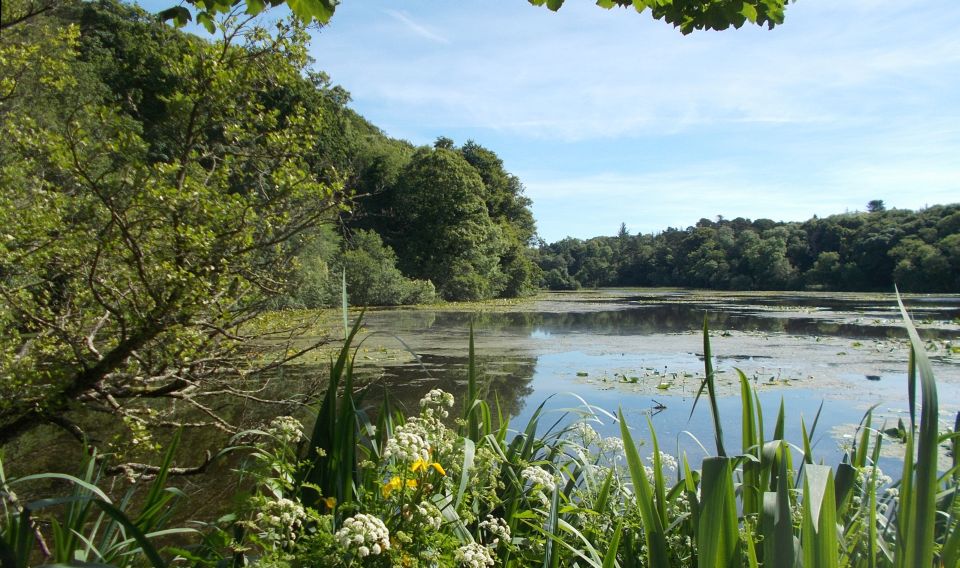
<point x="459" y="488"/>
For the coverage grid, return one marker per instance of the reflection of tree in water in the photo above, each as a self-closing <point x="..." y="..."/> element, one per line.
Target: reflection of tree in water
<point x="503" y="379"/>
<point x="649" y="317"/>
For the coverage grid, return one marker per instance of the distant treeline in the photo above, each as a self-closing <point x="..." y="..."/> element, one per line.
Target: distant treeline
<point x="919" y="251"/>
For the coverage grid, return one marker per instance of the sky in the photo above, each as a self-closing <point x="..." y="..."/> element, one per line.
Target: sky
<point x="611" y="117"/>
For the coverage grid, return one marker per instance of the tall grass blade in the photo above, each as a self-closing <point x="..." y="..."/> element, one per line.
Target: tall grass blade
<point x="708" y="384"/>
<point x="551" y="556"/>
<point x="750" y="444"/>
<point x="332" y="442"/>
<point x="659" y="486"/>
<point x="718" y="533"/>
<point x="920" y="543"/>
<point x="610" y="558"/>
<point x="344" y="305"/>
<point x="779" y="548"/>
<point x="468" y="455"/>
<point x="470" y="408"/>
<point x="148" y="550"/>
<point x="653" y="530"/>
<point x="819" y="528"/>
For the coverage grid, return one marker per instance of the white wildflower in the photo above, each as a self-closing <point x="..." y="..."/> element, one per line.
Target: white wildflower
<point x="408" y="444"/>
<point x="666" y="460"/>
<point x="364" y="535"/>
<point x="866" y="473"/>
<point x="285" y="429"/>
<point x="585" y="433"/>
<point x="611" y="445"/>
<point x="474" y="555"/>
<point x="280" y="521"/>
<point x="435" y="403"/>
<point x="538" y="476"/>
<point x="496" y="527"/>
<point x="427" y="514"/>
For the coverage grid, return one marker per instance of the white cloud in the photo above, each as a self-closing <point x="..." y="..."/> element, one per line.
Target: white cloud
<point x="416" y="28"/>
<point x="585" y="73"/>
<point x="612" y="117"/>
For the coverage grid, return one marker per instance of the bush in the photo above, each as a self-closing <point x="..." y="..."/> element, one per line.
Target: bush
<point x="373" y="278"/>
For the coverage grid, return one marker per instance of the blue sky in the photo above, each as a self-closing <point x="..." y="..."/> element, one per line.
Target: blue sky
<point x="610" y="116"/>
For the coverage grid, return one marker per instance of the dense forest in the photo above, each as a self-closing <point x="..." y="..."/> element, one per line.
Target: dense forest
<point x="919" y="251"/>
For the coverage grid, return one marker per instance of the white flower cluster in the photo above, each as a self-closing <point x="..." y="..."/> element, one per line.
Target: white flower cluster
<point x="497" y="527"/>
<point x="611" y="445"/>
<point x="435" y="403"/>
<point x="666" y="460"/>
<point x="430" y="428"/>
<point x="285" y="429"/>
<point x="427" y="514"/>
<point x="364" y="535"/>
<point x="408" y="444"/>
<point x="474" y="555"/>
<point x="538" y="476"/>
<point x="585" y="433"/>
<point x="865" y="473"/>
<point x="280" y="520"/>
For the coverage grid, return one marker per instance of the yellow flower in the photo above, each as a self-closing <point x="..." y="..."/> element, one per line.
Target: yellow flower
<point x="390" y="486"/>
<point x="396" y="483"/>
<point x="421" y="465"/>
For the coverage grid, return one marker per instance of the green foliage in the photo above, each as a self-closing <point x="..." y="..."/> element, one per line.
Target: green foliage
<point x="447" y="234"/>
<point x="86" y="525"/>
<point x="855" y="251"/>
<point x="685" y="15"/>
<point x="373" y="277"/>
<point x="699" y="15"/>
<point x="413" y="491"/>
<point x="132" y="249"/>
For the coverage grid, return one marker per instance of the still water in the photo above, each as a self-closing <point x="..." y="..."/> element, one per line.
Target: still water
<point x="642" y="352"/>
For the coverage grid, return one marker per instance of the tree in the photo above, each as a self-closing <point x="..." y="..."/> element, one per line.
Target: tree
<point x="127" y="269"/>
<point x="686" y="15"/>
<point x="443" y="231"/>
<point x="876" y="206"/>
<point x="372" y="275"/>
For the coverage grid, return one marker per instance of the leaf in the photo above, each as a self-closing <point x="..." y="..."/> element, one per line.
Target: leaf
<point x="819" y="529"/>
<point x="921" y="537"/>
<point x="180" y="16"/>
<point x="254" y="7"/>
<point x="652" y="528"/>
<point x="718" y="532"/>
<point x="206" y="20"/>
<point x="749" y="11"/>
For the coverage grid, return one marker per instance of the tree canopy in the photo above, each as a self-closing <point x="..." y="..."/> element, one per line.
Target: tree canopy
<point x="685" y="15"/>
<point x="154" y="189"/>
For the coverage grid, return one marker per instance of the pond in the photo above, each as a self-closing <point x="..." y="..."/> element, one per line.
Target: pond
<point x="642" y="351"/>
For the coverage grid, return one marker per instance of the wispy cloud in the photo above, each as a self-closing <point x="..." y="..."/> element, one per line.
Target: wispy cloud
<point x="608" y="116"/>
<point x="417" y="28"/>
<point x="585" y="73"/>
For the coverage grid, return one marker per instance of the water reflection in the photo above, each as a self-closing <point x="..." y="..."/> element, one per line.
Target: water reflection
<point x="614" y="349"/>
<point x="675" y="313"/>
